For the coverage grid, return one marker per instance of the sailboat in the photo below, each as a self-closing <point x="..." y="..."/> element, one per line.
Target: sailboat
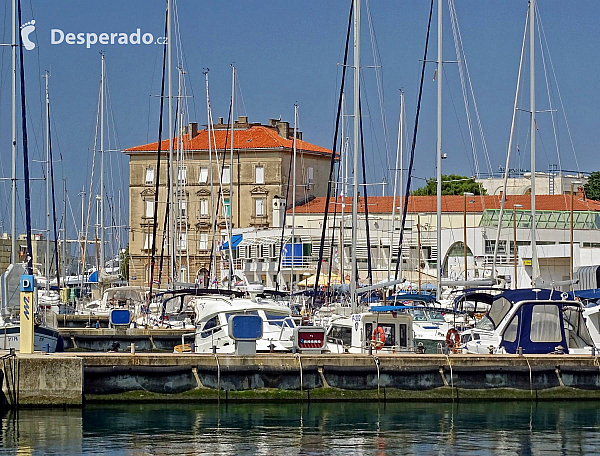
<point x="45" y="323"/>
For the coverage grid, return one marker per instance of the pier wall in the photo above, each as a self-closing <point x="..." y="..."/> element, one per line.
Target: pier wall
<point x="72" y="379"/>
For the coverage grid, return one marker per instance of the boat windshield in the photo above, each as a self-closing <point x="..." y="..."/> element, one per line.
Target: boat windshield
<point x="497" y="312"/>
<point x="436" y="316"/>
<point x="419" y="314"/>
<point x="282" y="320"/>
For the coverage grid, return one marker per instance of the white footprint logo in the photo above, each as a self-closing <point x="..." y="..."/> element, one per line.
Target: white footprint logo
<point x="26" y="29"/>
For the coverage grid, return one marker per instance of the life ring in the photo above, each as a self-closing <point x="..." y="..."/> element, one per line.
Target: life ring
<point x="378" y="338"/>
<point x="452" y="338"/>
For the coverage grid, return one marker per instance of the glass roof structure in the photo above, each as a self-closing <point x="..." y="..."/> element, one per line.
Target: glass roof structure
<point x="560" y="220"/>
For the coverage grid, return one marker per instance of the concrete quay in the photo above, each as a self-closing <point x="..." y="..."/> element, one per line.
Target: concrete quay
<point x="103" y="339"/>
<point x="71" y="379"/>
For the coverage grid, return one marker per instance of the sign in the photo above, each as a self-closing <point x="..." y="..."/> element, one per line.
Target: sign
<point x="27" y="313"/>
<point x="245" y="327"/>
<point x="120" y="317"/>
<point x="527" y="262"/>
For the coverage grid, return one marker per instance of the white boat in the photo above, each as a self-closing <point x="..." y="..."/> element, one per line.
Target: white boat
<point x="214" y="309"/>
<point x="45" y="336"/>
<point x="534" y="321"/>
<point x="360" y="333"/>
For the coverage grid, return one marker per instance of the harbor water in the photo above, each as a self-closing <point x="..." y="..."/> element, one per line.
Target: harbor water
<point x="307" y="429"/>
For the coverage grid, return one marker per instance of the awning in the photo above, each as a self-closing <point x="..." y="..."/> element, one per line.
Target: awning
<point x="235" y="241"/>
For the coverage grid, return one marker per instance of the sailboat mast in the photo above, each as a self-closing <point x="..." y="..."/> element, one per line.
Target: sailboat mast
<point x="171" y="167"/>
<point x="439" y="152"/>
<point x="213" y="259"/>
<point x="47" y="262"/>
<point x="354" y="274"/>
<point x="294" y="196"/>
<point x="343" y="164"/>
<point x="14" y="137"/>
<point x="534" y="260"/>
<point x="399" y="153"/>
<point x="229" y="211"/>
<point x="102" y="82"/>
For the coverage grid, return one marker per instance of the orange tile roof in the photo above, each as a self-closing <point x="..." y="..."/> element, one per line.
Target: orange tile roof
<point x="254" y="137"/>
<point x="452" y="203"/>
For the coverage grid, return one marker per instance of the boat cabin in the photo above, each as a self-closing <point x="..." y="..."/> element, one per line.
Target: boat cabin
<point x="355" y="333"/>
<point x="537" y="321"/>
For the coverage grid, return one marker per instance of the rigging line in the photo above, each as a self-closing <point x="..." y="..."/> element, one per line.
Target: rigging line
<point x="335" y="206"/>
<point x="412" y="149"/>
<point x="463" y="60"/>
<point x="332" y="164"/>
<point x="541" y="26"/>
<point x="459" y="58"/>
<point x="287" y="191"/>
<point x="364" y="176"/>
<point x="53" y="203"/>
<point x="158" y="152"/>
<point x="374" y="136"/>
<point x="183" y="56"/>
<point x="29" y="268"/>
<point x="379" y="79"/>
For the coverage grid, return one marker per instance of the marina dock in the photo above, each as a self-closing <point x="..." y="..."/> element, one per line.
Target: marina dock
<point x="72" y="379"/>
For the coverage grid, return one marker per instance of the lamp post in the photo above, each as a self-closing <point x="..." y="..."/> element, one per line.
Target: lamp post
<point x="515" y="206"/>
<point x="465" y="194"/>
<point x="573" y="183"/>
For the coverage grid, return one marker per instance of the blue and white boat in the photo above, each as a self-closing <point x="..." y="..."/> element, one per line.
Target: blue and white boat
<point x="536" y="321"/>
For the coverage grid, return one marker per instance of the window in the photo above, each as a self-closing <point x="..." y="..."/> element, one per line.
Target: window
<point x="226" y="179"/>
<point x="310" y="175"/>
<point x="260" y="174"/>
<point x="203" y="207"/>
<point x="149" y="209"/>
<point x="149" y="176"/>
<point x="388" y="329"/>
<point x="510" y="334"/>
<point x="182" y="241"/>
<point x="203" y="244"/>
<point x="203" y="179"/>
<point x="183" y="208"/>
<point x="340" y="334"/>
<point x="209" y="325"/>
<point x="260" y="207"/>
<point x="545" y="324"/>
<point x="181" y="175"/>
<point x="226" y="207"/>
<point x="148" y="242"/>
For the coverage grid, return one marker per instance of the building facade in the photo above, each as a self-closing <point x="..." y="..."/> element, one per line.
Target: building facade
<point x="246" y="186"/>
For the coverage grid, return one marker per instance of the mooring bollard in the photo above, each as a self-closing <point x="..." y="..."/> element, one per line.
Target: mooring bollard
<point x="133" y="348"/>
<point x="491" y="349"/>
<point x="593" y="350"/>
<point x="520" y="351"/>
<point x="421" y="348"/>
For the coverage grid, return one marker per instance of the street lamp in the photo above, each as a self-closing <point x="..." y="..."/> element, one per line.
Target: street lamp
<point x="465" y="194"/>
<point x="515" y="206"/>
<point x="573" y="183"/>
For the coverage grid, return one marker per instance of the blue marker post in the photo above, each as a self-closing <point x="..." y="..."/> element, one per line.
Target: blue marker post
<point x="26" y="332"/>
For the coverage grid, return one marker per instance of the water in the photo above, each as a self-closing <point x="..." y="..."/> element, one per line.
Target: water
<point x="309" y="429"/>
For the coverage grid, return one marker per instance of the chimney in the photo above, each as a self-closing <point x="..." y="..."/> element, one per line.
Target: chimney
<point x="220" y="121"/>
<point x="243" y="119"/>
<point x="283" y="129"/>
<point x="193" y="130"/>
<point x="273" y="122"/>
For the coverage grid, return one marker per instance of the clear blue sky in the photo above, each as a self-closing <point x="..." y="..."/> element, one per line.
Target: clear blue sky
<point x="289" y="52"/>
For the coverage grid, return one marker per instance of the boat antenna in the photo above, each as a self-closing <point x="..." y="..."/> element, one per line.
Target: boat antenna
<point x="332" y="165"/>
<point x="412" y="150"/>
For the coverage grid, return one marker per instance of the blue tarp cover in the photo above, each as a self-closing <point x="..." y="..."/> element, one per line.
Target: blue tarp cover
<point x="235" y="241"/>
<point x="588" y="294"/>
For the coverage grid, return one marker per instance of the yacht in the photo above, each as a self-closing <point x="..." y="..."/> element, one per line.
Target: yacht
<point x="534" y="321"/>
<point x="214" y="308"/>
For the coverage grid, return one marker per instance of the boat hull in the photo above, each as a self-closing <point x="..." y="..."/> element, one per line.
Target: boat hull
<point x="45" y="339"/>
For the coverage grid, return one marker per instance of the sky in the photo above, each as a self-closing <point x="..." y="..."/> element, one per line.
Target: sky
<point x="291" y="52"/>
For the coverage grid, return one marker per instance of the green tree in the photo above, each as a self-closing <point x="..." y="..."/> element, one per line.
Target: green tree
<point x="452" y="184"/>
<point x="124" y="269"/>
<point x="592" y="187"/>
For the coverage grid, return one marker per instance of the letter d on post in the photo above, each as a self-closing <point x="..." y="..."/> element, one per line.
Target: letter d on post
<point x="26" y="335"/>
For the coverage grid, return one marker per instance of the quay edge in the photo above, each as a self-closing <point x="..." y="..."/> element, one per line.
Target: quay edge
<point x="71" y="379"/>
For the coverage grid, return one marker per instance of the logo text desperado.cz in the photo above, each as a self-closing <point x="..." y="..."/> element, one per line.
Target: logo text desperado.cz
<point x="57" y="36"/>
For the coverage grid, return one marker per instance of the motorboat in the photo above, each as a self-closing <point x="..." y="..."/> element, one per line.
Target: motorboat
<point x="214" y="307"/>
<point x="531" y="321"/>
<point x="380" y="330"/>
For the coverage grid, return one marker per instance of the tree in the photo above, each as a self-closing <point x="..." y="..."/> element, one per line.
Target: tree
<point x="124" y="269"/>
<point x="592" y="187"/>
<point x="452" y="184"/>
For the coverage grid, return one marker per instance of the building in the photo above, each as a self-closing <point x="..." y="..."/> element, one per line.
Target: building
<point x="553" y="182"/>
<point x="259" y="249"/>
<point x="38" y="244"/>
<point x="253" y="189"/>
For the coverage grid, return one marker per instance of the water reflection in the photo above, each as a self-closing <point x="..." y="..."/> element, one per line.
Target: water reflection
<point x="299" y="429"/>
